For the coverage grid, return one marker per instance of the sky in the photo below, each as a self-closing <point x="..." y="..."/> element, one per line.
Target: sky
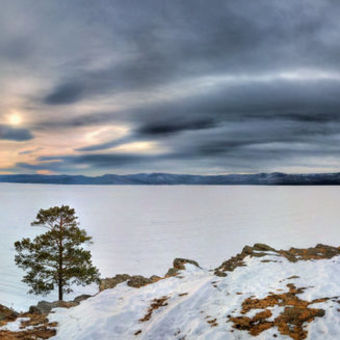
<point x="179" y="86"/>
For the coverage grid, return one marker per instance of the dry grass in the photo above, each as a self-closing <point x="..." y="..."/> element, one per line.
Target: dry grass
<point x="290" y="322"/>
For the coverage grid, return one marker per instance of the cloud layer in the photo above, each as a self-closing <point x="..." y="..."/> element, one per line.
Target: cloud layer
<point x="177" y="86"/>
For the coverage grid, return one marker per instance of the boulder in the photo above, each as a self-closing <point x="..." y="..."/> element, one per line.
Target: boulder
<point x="262" y="247"/>
<point x="43" y="307"/>
<point x="179" y="264"/>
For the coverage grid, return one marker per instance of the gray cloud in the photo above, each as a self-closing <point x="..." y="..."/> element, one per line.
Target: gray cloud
<point x="153" y="130"/>
<point x="169" y="128"/>
<point x="102" y="161"/>
<point x="227" y="85"/>
<point x="304" y="100"/>
<point x="162" y="43"/>
<point x="15" y="134"/>
<point x="54" y="166"/>
<point x="65" y="94"/>
<point x="30" y="151"/>
<point x="107" y="145"/>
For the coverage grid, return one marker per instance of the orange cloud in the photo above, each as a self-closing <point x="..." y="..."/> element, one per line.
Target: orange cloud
<point x="44" y="172"/>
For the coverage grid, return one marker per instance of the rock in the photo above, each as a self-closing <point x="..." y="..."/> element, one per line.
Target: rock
<point x="247" y="250"/>
<point x="318" y="252"/>
<point x="113" y="282"/>
<point x="262" y="247"/>
<point x="258" y="250"/>
<point x="81" y="298"/>
<point x="171" y="272"/>
<point x="220" y="273"/>
<point x="64" y="304"/>
<point x="134" y="281"/>
<point x="138" y="281"/>
<point x="7" y="314"/>
<point x="155" y="278"/>
<point x="231" y="264"/>
<point x="44" y="307"/>
<point x="34" y="310"/>
<point x="179" y="264"/>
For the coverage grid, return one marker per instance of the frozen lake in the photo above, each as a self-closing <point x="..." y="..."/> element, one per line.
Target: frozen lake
<point x="140" y="229"/>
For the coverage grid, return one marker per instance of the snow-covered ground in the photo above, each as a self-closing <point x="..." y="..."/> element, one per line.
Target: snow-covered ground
<point x="140" y="229"/>
<point x="197" y="304"/>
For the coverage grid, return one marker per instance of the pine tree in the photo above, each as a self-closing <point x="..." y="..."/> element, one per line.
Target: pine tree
<point x="56" y="257"/>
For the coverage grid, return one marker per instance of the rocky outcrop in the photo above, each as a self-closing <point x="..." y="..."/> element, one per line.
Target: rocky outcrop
<point x="33" y="326"/>
<point x="112" y="282"/>
<point x="44" y="307"/>
<point x="179" y="264"/>
<point x="81" y="298"/>
<point x="7" y="314"/>
<point x="135" y="281"/>
<point x="138" y="281"/>
<point x="318" y="252"/>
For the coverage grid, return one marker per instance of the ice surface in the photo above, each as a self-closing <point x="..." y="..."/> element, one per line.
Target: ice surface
<point x="141" y="229"/>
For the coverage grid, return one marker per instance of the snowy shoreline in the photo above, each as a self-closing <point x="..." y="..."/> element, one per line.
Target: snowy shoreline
<point x="261" y="292"/>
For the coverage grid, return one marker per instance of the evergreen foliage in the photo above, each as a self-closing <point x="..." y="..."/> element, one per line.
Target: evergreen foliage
<point x="56" y="257"/>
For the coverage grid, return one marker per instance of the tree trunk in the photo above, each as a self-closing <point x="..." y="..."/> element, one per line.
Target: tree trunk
<point x="60" y="269"/>
<point x="60" y="285"/>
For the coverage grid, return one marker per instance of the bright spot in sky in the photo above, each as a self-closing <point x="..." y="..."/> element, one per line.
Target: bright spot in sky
<point x="14" y="119"/>
<point x="145" y="146"/>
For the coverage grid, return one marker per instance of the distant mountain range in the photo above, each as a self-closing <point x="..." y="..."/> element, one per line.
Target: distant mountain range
<point x="275" y="178"/>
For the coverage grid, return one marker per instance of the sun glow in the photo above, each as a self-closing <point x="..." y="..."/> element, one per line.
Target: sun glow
<point x="139" y="147"/>
<point x="14" y="119"/>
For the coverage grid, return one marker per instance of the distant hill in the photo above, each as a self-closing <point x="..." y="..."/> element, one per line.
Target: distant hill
<point x="275" y="178"/>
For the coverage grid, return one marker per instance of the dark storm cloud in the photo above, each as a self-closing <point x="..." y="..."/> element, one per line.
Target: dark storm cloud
<point x="165" y="42"/>
<point x="304" y="100"/>
<point x="100" y="160"/>
<point x="257" y="113"/>
<point x="53" y="166"/>
<point x="65" y="94"/>
<point x="15" y="134"/>
<point x="169" y="128"/>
